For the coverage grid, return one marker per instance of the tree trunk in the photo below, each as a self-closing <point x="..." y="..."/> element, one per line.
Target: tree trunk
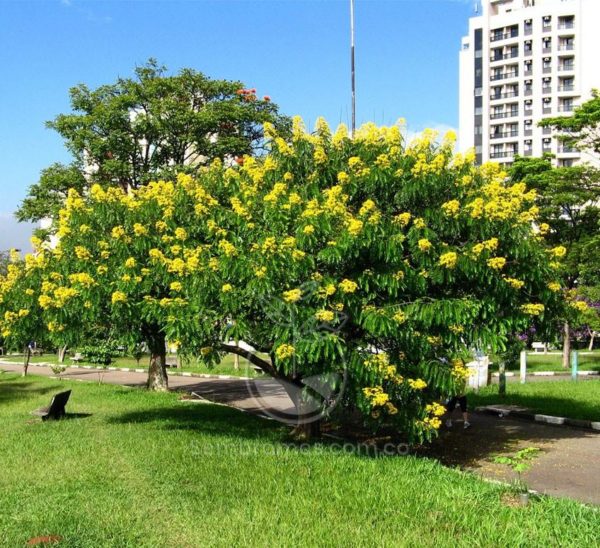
<point x="157" y="370"/>
<point x="62" y="352"/>
<point x="308" y="426"/>
<point x="592" y="336"/>
<point x="26" y="358"/>
<point x="566" y="351"/>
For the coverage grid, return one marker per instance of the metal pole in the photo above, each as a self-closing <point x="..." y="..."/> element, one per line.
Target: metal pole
<point x="574" y="364"/>
<point x="353" y="81"/>
<point x="502" y="378"/>
<point x="523" y="366"/>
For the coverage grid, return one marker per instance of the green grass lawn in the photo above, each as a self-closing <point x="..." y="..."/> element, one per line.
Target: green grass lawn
<point x="574" y="399"/>
<point x="226" y="367"/>
<point x="144" y="469"/>
<point x="553" y="362"/>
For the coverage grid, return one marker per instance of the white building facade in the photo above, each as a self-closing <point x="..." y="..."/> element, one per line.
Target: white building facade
<point x="523" y="61"/>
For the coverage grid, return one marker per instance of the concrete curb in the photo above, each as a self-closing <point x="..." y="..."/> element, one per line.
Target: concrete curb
<point x="135" y="370"/>
<point x="548" y="374"/>
<point x="500" y="412"/>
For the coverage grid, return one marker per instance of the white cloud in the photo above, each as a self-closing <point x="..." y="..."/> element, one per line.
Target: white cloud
<point x="14" y="234"/>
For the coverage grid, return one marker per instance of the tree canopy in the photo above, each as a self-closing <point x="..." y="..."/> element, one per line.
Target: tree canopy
<point x="385" y="261"/>
<point x="582" y="128"/>
<point x="147" y="127"/>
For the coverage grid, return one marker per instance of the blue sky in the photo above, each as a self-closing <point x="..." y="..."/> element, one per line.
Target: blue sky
<point x="296" y="51"/>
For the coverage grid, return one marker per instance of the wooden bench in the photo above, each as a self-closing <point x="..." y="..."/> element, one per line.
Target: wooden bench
<point x="56" y="409"/>
<point x="37" y="351"/>
<point x="77" y="357"/>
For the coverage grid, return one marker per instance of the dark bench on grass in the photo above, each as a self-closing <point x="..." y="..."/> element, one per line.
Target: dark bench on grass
<point x="56" y="409"/>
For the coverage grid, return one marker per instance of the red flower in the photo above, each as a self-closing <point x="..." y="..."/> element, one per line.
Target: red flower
<point x="266" y="98"/>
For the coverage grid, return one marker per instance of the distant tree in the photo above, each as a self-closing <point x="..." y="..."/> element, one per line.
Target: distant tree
<point x="48" y="195"/>
<point x="569" y="198"/>
<point x="149" y="127"/>
<point x="582" y="129"/>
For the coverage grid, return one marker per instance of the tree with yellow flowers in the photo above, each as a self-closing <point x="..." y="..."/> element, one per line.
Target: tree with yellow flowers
<point x="370" y="260"/>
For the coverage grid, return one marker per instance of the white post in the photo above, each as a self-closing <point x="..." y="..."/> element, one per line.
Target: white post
<point x="523" y="366"/>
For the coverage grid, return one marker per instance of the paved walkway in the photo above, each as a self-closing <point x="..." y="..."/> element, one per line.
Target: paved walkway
<point x="568" y="466"/>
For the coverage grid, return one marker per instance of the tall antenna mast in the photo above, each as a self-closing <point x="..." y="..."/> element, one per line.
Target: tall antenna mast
<point x="353" y="80"/>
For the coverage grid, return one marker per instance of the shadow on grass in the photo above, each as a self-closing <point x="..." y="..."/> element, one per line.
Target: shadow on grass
<point x="204" y="418"/>
<point x="12" y="389"/>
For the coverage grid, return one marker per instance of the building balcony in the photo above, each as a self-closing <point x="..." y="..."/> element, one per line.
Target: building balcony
<point x="547" y="131"/>
<point x="566" y="87"/>
<point x="566" y="68"/>
<point x="528" y="112"/>
<point x="504" y="134"/>
<point x="528" y="72"/>
<point x="546" y="110"/>
<point x="503" y="154"/>
<point x="507" y="95"/>
<point x="566" y="25"/>
<point x="566" y="47"/>
<point x="547" y="49"/>
<point x="528" y="152"/>
<point x="504" y="76"/>
<point x="504" y="36"/>
<point x="501" y="115"/>
<point x="503" y="57"/>
<point x="528" y="132"/>
<point x="547" y="89"/>
<point x="547" y="70"/>
<point x="565" y="108"/>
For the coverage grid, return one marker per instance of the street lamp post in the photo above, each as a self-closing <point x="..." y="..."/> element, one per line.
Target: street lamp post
<point x="352" y="77"/>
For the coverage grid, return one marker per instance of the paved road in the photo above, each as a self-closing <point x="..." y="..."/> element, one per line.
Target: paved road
<point x="568" y="466"/>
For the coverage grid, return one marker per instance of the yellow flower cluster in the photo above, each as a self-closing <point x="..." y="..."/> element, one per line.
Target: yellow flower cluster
<point x="118" y="297"/>
<point x="554" y="286"/>
<point x="82" y="253"/>
<point x="354" y="226"/>
<point x="376" y="396"/>
<point x="496" y="263"/>
<point x="227" y="248"/>
<point x="448" y="260"/>
<point x="284" y="351"/>
<point x="348" y="286"/>
<point x="139" y="229"/>
<point x="451" y="208"/>
<point x="292" y="296"/>
<point x="82" y="278"/>
<point x="399" y="317"/>
<point x="559" y="251"/>
<point x="435" y="409"/>
<point x="513" y="282"/>
<point x="226" y="288"/>
<point x="403" y="218"/>
<point x="580" y="306"/>
<point x="325" y="315"/>
<point x="278" y="190"/>
<point x="417" y="384"/>
<point x="308" y="230"/>
<point x="533" y="309"/>
<point x="459" y="369"/>
<point x="424" y="245"/>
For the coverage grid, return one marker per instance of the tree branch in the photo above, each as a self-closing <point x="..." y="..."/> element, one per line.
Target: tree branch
<point x="251" y="357"/>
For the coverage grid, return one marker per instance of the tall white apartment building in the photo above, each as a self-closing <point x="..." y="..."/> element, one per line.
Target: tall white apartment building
<point x="523" y="61"/>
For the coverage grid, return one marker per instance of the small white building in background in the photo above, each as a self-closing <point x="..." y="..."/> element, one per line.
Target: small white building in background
<point x="523" y="61"/>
